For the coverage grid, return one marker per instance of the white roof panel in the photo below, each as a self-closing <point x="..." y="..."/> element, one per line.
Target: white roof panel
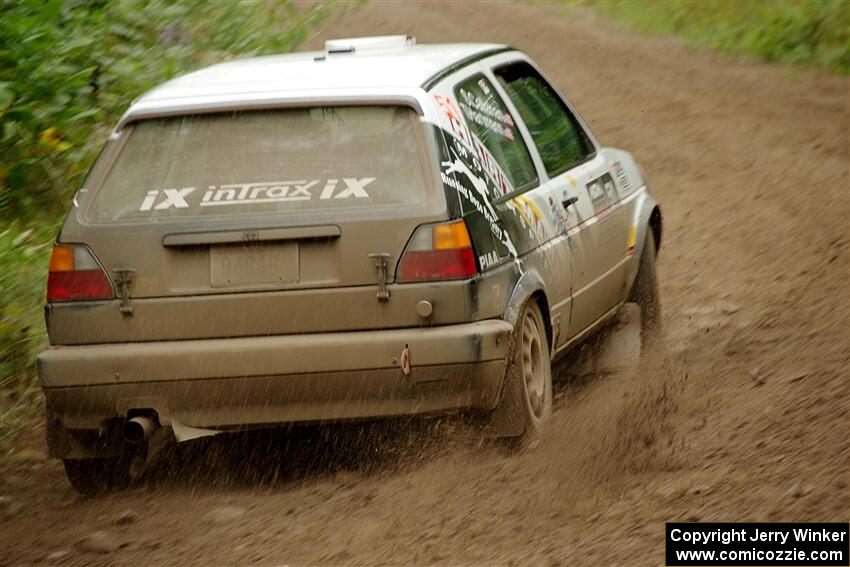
<point x="273" y="76"/>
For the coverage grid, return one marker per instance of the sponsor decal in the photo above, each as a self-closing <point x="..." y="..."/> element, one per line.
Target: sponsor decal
<point x="488" y="260"/>
<point x="533" y="215"/>
<point x="477" y="198"/>
<point x="470" y="169"/>
<point x="621" y="177"/>
<point x="632" y="240"/>
<point x="482" y="84"/>
<point x="258" y="192"/>
<point x="603" y="194"/>
<point x="486" y="113"/>
<point x="172" y="198"/>
<point x="471" y="149"/>
<point x="559" y="214"/>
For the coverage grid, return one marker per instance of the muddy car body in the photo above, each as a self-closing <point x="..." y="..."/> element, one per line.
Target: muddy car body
<point x="379" y="229"/>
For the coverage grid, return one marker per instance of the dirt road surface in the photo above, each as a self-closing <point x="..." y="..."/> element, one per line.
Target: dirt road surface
<point x="743" y="417"/>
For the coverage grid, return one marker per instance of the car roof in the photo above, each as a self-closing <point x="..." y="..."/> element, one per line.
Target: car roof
<point x="346" y="67"/>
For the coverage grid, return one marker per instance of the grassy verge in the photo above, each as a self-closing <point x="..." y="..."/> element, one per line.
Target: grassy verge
<point x="68" y="69"/>
<point x="804" y="32"/>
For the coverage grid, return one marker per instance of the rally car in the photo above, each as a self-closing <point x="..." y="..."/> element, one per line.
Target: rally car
<point x="377" y="229"/>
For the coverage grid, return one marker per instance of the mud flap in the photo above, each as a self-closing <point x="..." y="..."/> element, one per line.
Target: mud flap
<point x="63" y="443"/>
<point x="506" y="420"/>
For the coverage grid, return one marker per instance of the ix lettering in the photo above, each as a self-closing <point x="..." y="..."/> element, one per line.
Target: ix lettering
<point x="173" y="198"/>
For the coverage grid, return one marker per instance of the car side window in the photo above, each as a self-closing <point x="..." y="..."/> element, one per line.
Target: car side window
<point x="557" y="134"/>
<point x="492" y="123"/>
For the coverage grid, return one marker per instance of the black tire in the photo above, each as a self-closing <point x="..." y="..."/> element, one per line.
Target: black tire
<point x="645" y="292"/>
<point x="526" y="402"/>
<point x="91" y="477"/>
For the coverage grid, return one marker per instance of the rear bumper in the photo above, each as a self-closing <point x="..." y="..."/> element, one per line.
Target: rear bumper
<point x="240" y="382"/>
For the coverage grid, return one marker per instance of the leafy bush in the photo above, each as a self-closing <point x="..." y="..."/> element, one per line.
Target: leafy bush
<point x="806" y="32"/>
<point x="68" y="69"/>
<point x="24" y="255"/>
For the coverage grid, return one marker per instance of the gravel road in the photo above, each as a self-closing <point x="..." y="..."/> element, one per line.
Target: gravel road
<point x="742" y="417"/>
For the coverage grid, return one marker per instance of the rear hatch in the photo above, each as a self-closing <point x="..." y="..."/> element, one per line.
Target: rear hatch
<point x="255" y="222"/>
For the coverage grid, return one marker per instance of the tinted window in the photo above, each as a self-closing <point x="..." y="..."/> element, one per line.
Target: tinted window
<point x="559" y="139"/>
<point x="494" y="126"/>
<point x="275" y="161"/>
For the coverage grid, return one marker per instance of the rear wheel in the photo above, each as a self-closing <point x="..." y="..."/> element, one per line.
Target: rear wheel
<point x="526" y="402"/>
<point x="645" y="292"/>
<point x="96" y="476"/>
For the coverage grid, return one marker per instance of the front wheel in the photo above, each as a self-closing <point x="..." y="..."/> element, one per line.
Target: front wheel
<point x="526" y="402"/>
<point x="645" y="292"/>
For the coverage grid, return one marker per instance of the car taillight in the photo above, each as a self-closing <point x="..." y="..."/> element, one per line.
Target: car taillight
<point x="438" y="252"/>
<point x="75" y="275"/>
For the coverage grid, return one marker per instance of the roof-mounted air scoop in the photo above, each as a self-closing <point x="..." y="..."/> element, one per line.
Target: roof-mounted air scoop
<point x="375" y="43"/>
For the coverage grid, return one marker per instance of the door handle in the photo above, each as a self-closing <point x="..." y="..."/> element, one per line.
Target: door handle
<point x="568" y="202"/>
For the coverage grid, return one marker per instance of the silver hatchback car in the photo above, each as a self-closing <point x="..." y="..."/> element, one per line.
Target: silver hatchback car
<point x="378" y="229"/>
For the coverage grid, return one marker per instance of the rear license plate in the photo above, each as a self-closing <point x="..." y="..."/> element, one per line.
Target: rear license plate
<point x="254" y="264"/>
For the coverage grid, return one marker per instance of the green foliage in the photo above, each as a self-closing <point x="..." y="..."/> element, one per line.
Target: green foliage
<point x="24" y="254"/>
<point x="805" y="32"/>
<point x="68" y="70"/>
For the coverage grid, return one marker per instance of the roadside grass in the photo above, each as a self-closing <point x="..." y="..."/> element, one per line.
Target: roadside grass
<point x="68" y="69"/>
<point x="801" y="32"/>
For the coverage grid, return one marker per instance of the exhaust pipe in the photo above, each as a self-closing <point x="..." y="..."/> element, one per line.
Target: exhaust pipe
<point x="138" y="428"/>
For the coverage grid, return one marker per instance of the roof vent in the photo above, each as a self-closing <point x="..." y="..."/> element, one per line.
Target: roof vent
<point x="376" y="43"/>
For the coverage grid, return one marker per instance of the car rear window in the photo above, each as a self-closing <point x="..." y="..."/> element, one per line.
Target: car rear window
<point x="272" y="161"/>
